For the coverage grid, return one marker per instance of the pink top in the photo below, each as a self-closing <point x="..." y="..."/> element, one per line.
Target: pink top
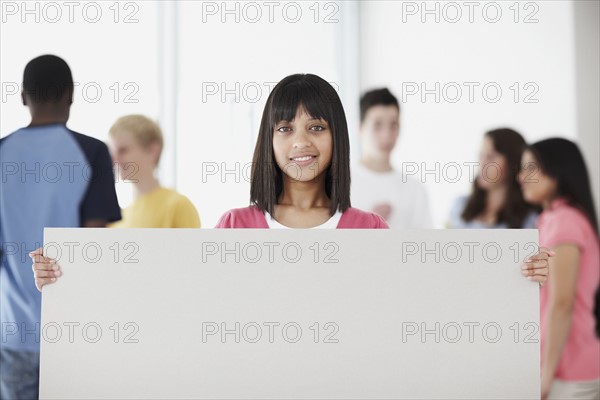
<point x="564" y="224"/>
<point x="253" y="217"/>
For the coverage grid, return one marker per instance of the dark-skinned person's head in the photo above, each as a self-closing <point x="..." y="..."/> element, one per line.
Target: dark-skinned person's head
<point x="48" y="89"/>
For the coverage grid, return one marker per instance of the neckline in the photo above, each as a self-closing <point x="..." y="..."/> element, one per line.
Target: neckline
<point x="272" y="221"/>
<point x="43" y="126"/>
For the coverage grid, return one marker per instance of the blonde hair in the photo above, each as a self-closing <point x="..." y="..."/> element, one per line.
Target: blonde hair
<point x="144" y="130"/>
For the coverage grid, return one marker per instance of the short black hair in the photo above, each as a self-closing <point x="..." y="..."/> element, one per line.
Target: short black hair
<point x="47" y="79"/>
<point x="377" y="97"/>
<point x="320" y="100"/>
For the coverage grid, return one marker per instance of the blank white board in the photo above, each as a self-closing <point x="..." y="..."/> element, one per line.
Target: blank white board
<point x="207" y="313"/>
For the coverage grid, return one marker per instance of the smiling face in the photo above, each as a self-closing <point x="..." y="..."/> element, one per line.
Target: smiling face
<point x="303" y="147"/>
<point x="538" y="188"/>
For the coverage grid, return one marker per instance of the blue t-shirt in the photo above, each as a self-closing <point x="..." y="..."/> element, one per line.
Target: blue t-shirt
<point x="51" y="177"/>
<point x="456" y="222"/>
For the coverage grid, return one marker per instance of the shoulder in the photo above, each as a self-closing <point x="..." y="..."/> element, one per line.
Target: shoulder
<point x="354" y="218"/>
<point x="460" y="201"/>
<point x="412" y="186"/>
<point x="182" y="210"/>
<point x="246" y="217"/>
<point x="458" y="206"/>
<point x="408" y="180"/>
<point x="561" y="214"/>
<point x="564" y="224"/>
<point x="90" y="146"/>
<point x="12" y="139"/>
<point x="530" y="221"/>
<point x="176" y="199"/>
<point x="5" y="139"/>
<point x="174" y="196"/>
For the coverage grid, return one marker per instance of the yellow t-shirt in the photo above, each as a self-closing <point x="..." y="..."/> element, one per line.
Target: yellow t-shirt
<point x="161" y="208"/>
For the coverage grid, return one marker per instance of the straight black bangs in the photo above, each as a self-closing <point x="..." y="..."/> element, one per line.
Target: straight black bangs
<point x="308" y="92"/>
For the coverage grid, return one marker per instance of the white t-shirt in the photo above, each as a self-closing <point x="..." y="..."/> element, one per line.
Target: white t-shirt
<point x="331" y="223"/>
<point x="406" y="196"/>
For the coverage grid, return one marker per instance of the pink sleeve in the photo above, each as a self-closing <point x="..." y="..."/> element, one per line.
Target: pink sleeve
<point x="353" y="218"/>
<point x="380" y="223"/>
<point x="566" y="226"/>
<point x="225" y="221"/>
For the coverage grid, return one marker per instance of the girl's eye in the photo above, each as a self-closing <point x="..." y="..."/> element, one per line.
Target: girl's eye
<point x="318" y="128"/>
<point x="284" y="129"/>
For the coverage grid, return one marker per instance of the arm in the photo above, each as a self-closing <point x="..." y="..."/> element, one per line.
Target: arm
<point x="565" y="267"/>
<point x="99" y="205"/>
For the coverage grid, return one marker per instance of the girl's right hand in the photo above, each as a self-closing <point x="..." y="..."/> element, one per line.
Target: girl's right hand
<point x="45" y="270"/>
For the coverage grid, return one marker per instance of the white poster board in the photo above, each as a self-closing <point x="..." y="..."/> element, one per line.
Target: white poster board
<point x="203" y="313"/>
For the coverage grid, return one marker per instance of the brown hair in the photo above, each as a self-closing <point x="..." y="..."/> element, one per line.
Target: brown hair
<point x="515" y="210"/>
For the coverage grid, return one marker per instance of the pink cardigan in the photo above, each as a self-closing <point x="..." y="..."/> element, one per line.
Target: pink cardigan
<point x="253" y="217"/>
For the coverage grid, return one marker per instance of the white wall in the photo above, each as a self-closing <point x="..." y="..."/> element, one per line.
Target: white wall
<point x="399" y="49"/>
<point x="587" y="48"/>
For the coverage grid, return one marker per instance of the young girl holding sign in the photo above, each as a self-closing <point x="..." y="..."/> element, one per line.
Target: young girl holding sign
<point x="301" y="164"/>
<point x="301" y="171"/>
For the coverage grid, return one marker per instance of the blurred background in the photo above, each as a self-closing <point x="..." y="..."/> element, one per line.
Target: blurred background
<point x="204" y="70"/>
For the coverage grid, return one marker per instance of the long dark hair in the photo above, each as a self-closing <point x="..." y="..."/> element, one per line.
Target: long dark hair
<point x="562" y="160"/>
<point x="515" y="210"/>
<point x="320" y="100"/>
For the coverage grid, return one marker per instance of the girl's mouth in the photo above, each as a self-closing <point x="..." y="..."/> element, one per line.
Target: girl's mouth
<point x="303" y="160"/>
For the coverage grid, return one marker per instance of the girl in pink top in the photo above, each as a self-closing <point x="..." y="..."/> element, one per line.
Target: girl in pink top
<point x="301" y="171"/>
<point x="555" y="177"/>
<point x="301" y="163"/>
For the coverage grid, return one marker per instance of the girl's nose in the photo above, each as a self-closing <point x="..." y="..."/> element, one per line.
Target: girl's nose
<point x="300" y="145"/>
<point x="302" y="141"/>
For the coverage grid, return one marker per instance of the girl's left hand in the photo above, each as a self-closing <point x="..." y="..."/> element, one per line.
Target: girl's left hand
<point x="536" y="267"/>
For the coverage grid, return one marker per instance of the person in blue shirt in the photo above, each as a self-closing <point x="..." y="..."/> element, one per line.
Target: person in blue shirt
<point x="51" y="177"/>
